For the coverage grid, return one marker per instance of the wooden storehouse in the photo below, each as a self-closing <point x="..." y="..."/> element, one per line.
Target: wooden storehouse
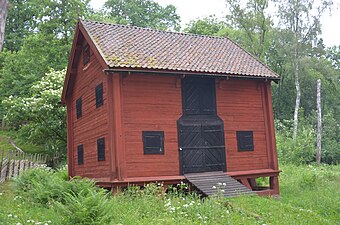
<point x="145" y="105"/>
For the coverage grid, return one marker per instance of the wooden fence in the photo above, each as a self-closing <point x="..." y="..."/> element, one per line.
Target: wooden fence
<point x="12" y="163"/>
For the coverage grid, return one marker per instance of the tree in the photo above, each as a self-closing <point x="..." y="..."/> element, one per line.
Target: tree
<point x="296" y="18"/>
<point x="57" y="17"/>
<point x="39" y="118"/>
<point x="143" y="13"/>
<point x="319" y="127"/>
<point x="38" y="37"/>
<point x="253" y="21"/>
<point x="205" y="26"/>
<point x="3" y="16"/>
<point x="39" y="53"/>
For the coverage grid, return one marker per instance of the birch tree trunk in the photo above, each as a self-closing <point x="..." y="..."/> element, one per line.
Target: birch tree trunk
<point x="319" y="132"/>
<point x="298" y="90"/>
<point x="3" y="16"/>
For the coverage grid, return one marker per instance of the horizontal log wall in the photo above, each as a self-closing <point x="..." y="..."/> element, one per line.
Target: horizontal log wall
<point x="151" y="103"/>
<point x="94" y="121"/>
<point x="240" y="106"/>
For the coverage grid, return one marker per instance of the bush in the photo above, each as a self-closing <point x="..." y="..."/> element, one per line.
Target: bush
<point x="77" y="201"/>
<point x="299" y="151"/>
<point x="303" y="149"/>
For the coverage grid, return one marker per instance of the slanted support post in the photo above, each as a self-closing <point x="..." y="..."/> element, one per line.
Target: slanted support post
<point x="245" y="182"/>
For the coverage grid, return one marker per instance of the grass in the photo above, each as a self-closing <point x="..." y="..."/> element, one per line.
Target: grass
<point x="309" y="195"/>
<point x="27" y="147"/>
<point x="4" y="144"/>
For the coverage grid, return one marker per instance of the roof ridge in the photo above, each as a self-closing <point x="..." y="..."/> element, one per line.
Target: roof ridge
<point x="172" y="50"/>
<point x="156" y="30"/>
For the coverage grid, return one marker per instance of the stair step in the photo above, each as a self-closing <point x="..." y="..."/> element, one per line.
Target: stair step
<point x="207" y="180"/>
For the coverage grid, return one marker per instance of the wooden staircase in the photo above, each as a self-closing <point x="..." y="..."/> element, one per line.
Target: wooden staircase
<point x="217" y="182"/>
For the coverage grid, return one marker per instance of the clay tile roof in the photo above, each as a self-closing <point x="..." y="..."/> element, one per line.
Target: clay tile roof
<point x="142" y="48"/>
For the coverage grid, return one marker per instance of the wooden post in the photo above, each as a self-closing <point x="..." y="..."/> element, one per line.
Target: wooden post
<point x="319" y="132"/>
<point x="1" y="164"/>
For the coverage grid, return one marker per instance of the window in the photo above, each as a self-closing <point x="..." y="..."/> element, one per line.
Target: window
<point x="86" y="54"/>
<point x="245" y="141"/>
<point x="101" y="149"/>
<point x="80" y="155"/>
<point x="198" y="96"/>
<point x="99" y="95"/>
<point x="153" y="142"/>
<point x="79" y="107"/>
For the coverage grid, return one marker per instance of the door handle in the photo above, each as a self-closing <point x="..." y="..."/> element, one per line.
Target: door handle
<point x="180" y="149"/>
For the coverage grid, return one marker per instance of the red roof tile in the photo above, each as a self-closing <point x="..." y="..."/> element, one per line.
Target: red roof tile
<point x="142" y="48"/>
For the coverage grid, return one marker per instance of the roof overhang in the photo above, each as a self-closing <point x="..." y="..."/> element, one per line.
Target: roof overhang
<point x="189" y="73"/>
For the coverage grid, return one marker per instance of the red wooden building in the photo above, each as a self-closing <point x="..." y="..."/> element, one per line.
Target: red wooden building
<point x="146" y="105"/>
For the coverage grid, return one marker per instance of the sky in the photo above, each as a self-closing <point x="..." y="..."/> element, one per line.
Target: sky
<point x="193" y="9"/>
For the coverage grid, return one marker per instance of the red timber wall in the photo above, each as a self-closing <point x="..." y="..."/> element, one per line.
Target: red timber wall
<point x="243" y="106"/>
<point x="93" y="124"/>
<point x="151" y="103"/>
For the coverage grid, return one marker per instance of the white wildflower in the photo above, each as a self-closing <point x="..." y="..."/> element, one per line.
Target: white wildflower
<point x="219" y="183"/>
<point x="214" y="187"/>
<point x="10" y="215"/>
<point x="167" y="204"/>
<point x="224" y="184"/>
<point x="18" y="223"/>
<point x="185" y="205"/>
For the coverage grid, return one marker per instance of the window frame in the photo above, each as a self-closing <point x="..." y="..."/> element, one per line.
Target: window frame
<point x="153" y="150"/>
<point x="101" y="149"/>
<point x="79" y="107"/>
<point x="80" y="149"/>
<point x="245" y="141"/>
<point x="86" y="54"/>
<point x="99" y="92"/>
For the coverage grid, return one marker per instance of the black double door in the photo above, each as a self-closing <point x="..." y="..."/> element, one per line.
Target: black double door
<point x="200" y="130"/>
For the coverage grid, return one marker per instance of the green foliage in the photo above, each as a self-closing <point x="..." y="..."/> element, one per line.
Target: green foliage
<point x="143" y="13"/>
<point x="299" y="151"/>
<point x="205" y="26"/>
<point x="77" y="201"/>
<point x="40" y="118"/>
<point x="21" y="69"/>
<point x="309" y="195"/>
<point x="49" y="17"/>
<point x="254" y="24"/>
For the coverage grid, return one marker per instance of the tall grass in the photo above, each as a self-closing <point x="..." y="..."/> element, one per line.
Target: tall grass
<point x="309" y="195"/>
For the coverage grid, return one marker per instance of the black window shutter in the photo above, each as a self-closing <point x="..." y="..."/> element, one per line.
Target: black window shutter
<point x="153" y="142"/>
<point x="80" y="154"/>
<point x="101" y="149"/>
<point x="99" y="95"/>
<point x="198" y="96"/>
<point x="79" y="107"/>
<point x="245" y="140"/>
<point x="86" y="54"/>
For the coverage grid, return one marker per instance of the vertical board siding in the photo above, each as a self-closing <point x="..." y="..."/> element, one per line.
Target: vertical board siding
<point x="240" y="106"/>
<point x="151" y="103"/>
<point x="93" y="124"/>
